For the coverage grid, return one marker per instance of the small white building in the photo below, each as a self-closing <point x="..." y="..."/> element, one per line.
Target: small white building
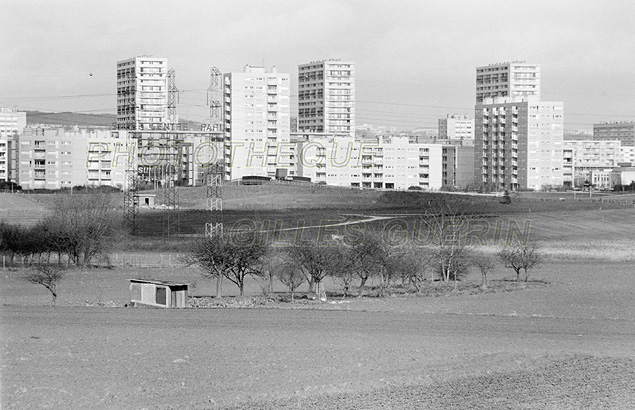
<point x="157" y="293"/>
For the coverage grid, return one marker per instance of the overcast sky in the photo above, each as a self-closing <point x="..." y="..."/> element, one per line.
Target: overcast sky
<point x="415" y="60"/>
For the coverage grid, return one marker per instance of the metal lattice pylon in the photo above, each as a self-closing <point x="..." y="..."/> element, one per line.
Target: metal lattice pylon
<point x="171" y="221"/>
<point x="215" y="200"/>
<point x="215" y="172"/>
<point x="214" y="98"/>
<point x="171" y="162"/>
<point x="130" y="191"/>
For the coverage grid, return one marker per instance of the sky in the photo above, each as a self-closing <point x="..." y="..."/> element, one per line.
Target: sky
<point x="415" y="59"/>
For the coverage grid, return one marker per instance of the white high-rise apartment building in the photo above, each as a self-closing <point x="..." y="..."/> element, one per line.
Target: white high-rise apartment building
<point x="257" y="122"/>
<point x="456" y="127"/>
<point x="518" y="143"/>
<point x="12" y="122"/>
<point x="512" y="79"/>
<point x="326" y="97"/>
<point x="142" y="93"/>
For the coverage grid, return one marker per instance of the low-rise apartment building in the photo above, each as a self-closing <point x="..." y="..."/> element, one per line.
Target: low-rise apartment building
<point x="587" y="160"/>
<point x="382" y="163"/>
<point x="51" y="158"/>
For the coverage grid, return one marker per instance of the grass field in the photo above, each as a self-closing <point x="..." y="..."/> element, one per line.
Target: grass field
<point x="580" y="228"/>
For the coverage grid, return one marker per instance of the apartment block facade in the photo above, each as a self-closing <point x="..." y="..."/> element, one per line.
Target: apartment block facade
<point x="51" y="158"/>
<point x="610" y="131"/>
<point x="595" y="154"/>
<point x="326" y="97"/>
<point x="142" y="93"/>
<point x="383" y="163"/>
<point x="510" y="79"/>
<point x="458" y="166"/>
<point x="628" y="154"/>
<point x="456" y="127"/>
<point x="518" y="143"/>
<point x="12" y="122"/>
<point x="257" y="121"/>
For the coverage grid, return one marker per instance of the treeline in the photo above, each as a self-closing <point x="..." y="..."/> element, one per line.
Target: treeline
<point x="75" y="233"/>
<point x="352" y="263"/>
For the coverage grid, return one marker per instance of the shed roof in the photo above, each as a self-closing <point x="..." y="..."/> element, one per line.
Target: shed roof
<point x="158" y="282"/>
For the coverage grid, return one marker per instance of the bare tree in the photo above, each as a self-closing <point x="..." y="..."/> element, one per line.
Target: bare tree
<point x="413" y="264"/>
<point x="520" y="257"/>
<point x="316" y="262"/>
<point x="80" y="225"/>
<point x="46" y="275"/>
<point x="223" y="256"/>
<point x="485" y="264"/>
<point x="368" y="258"/>
<point x="449" y="232"/>
<point x="343" y="268"/>
<point x="291" y="276"/>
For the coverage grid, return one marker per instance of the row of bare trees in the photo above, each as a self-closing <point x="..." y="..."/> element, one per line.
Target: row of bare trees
<point x="75" y="233"/>
<point x="382" y="256"/>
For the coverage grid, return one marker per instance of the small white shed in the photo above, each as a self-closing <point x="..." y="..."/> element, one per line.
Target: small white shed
<point x="147" y="200"/>
<point x="158" y="293"/>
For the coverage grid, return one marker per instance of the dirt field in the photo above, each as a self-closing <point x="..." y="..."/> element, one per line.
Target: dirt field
<point x="568" y="345"/>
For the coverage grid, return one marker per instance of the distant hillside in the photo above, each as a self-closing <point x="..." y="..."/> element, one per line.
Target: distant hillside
<point x="69" y="119"/>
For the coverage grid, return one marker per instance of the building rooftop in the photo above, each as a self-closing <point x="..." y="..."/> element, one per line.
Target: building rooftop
<point x="158" y="282"/>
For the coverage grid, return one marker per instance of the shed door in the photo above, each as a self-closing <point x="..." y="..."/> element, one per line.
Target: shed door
<point x="160" y="295"/>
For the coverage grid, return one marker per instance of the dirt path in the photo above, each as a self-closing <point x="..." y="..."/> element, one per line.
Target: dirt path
<point x="366" y="218"/>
